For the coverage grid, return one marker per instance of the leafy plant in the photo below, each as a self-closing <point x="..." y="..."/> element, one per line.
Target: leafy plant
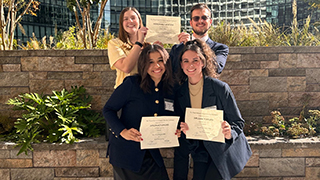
<point x="295" y="127"/>
<point x="60" y="117"/>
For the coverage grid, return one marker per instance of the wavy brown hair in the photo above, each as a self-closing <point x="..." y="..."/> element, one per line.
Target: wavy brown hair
<point x="123" y="35"/>
<point x="143" y="66"/>
<point x="205" y="54"/>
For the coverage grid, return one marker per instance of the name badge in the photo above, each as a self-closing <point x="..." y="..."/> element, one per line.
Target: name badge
<point x="168" y="105"/>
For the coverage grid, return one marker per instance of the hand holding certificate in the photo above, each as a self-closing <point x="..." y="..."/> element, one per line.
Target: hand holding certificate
<point x="163" y="28"/>
<point x="204" y="124"/>
<point x="159" y="132"/>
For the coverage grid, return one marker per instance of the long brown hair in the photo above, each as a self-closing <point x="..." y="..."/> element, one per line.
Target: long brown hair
<point x="143" y="66"/>
<point x="123" y="35"/>
<point x="205" y="54"/>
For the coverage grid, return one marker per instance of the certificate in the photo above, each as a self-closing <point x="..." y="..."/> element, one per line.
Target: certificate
<point x="163" y="28"/>
<point x="204" y="124"/>
<point x="159" y="132"/>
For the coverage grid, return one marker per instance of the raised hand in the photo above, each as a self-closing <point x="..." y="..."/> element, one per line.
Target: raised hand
<point x="184" y="37"/>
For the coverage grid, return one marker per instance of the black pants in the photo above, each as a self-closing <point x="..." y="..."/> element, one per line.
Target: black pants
<point x="181" y="160"/>
<point x="205" y="171"/>
<point x="149" y="171"/>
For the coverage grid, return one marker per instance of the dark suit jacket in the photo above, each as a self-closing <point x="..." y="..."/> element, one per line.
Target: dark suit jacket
<point x="230" y="157"/>
<point x="221" y="51"/>
<point x="134" y="104"/>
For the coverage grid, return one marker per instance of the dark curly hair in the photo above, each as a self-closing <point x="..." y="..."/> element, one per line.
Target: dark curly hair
<point x="205" y="54"/>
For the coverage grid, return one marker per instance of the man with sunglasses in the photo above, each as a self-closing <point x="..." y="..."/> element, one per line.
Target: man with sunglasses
<point x="200" y="22"/>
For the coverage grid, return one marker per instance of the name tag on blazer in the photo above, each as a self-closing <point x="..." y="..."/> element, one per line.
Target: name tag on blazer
<point x="168" y="105"/>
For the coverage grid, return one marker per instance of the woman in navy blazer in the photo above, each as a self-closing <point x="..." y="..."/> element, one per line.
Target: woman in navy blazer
<point x="199" y="89"/>
<point x="145" y="94"/>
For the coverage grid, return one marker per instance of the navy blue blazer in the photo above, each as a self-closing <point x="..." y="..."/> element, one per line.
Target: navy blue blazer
<point x="134" y="104"/>
<point x="221" y="51"/>
<point x="230" y="157"/>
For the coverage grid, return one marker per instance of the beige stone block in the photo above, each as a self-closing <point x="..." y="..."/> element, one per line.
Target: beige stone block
<point x="87" y="158"/>
<point x="54" y="158"/>
<point x="53" y="64"/>
<point x="106" y="169"/>
<point x="15" y="91"/>
<point x="170" y="173"/>
<point x="258" y="72"/>
<point x="4" y="154"/>
<point x="77" y="172"/>
<point x="5" y="174"/>
<point x="4" y="98"/>
<point x="313" y="76"/>
<point x="294" y="178"/>
<point x="101" y="67"/>
<point x="14" y="79"/>
<point x="11" y="67"/>
<point x="97" y="103"/>
<point x="46" y="86"/>
<point x="254" y="159"/>
<point x="65" y="75"/>
<point x="300" y="152"/>
<point x="298" y="99"/>
<point x="241" y="92"/>
<point x="1" y="69"/>
<point x="248" y="172"/>
<point x="14" y="154"/>
<point x="313" y="162"/>
<point x="278" y="100"/>
<point x="308" y="60"/>
<point x="38" y="75"/>
<point x="15" y="163"/>
<point x="282" y="167"/>
<point x="268" y="84"/>
<point x="270" y="153"/>
<point x="167" y="152"/>
<point x="288" y="60"/>
<point x="269" y="64"/>
<point x="296" y="84"/>
<point x="32" y="173"/>
<point x="313" y="173"/>
<point x="235" y="77"/>
<point x="259" y="96"/>
<point x="234" y="58"/>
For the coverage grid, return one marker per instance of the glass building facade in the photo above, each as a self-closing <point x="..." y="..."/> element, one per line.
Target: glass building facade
<point x="52" y="17"/>
<point x="234" y="12"/>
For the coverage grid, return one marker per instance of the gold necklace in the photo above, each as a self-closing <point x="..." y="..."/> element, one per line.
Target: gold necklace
<point x="193" y="91"/>
<point x="194" y="94"/>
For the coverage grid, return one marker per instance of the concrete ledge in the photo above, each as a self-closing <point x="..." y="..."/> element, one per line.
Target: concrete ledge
<point x="276" y="158"/>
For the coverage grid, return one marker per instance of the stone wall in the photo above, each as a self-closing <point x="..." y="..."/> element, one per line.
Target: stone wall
<point x="262" y="78"/>
<point x="271" y="160"/>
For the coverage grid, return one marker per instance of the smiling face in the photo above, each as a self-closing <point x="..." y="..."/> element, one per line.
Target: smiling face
<point x="131" y="22"/>
<point x="192" y="65"/>
<point x="201" y="26"/>
<point x="156" y="66"/>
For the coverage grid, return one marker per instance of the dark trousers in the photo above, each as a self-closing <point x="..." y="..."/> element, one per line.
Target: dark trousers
<point x="205" y="171"/>
<point x="181" y="160"/>
<point x="149" y="171"/>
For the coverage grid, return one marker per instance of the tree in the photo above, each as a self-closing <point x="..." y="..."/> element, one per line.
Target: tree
<point x="314" y="3"/>
<point x="9" y="18"/>
<point x="87" y="33"/>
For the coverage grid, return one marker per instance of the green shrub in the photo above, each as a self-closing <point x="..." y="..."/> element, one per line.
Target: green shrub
<point x="61" y="117"/>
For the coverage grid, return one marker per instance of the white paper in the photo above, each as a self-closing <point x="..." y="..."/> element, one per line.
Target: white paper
<point x="159" y="132"/>
<point x="204" y="124"/>
<point x="163" y="28"/>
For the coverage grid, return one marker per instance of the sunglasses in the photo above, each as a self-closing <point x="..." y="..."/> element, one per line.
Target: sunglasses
<point x="197" y="18"/>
